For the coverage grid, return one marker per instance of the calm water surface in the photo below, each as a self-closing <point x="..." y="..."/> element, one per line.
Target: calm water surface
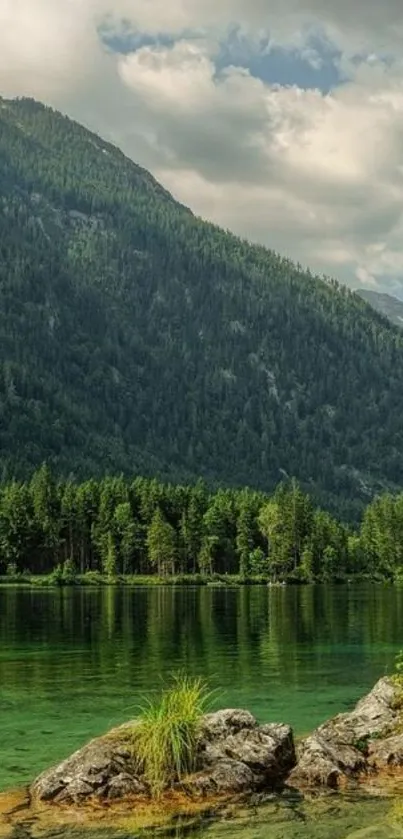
<point x="74" y="662"/>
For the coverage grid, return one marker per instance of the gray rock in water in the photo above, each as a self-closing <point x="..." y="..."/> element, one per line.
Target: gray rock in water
<point x="338" y="749"/>
<point x="234" y="755"/>
<point x="227" y="776"/>
<point x="233" y="744"/>
<point x="323" y="762"/>
<point x="387" y="752"/>
<point x="102" y="768"/>
<point x="220" y="724"/>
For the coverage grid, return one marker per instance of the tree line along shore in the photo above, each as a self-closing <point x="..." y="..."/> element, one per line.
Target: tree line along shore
<point x="143" y="530"/>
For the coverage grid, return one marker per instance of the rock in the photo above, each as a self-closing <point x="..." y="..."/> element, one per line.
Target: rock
<point x="220" y="724"/>
<point x="283" y="749"/>
<point x="387" y="752"/>
<point x="337" y="750"/>
<point x="232" y="739"/>
<point x="79" y="789"/>
<point x="100" y="769"/>
<point x="264" y="753"/>
<point x="228" y="776"/>
<point x="234" y="755"/>
<point x="323" y="762"/>
<point x="374" y="713"/>
<point x="125" y="784"/>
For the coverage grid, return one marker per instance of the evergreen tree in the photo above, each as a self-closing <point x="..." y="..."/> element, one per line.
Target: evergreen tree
<point x="109" y="566"/>
<point x="191" y="528"/>
<point x="246" y="534"/>
<point x="46" y="511"/>
<point x="128" y="534"/>
<point x="162" y="546"/>
<point x="286" y="522"/>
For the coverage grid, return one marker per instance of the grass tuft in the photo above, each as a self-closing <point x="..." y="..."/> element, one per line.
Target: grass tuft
<point x="165" y="738"/>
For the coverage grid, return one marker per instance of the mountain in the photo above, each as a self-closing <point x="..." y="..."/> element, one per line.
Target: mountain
<point x="138" y="338"/>
<point x="386" y="304"/>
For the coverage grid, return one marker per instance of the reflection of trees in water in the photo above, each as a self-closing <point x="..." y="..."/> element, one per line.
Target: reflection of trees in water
<point x="225" y="634"/>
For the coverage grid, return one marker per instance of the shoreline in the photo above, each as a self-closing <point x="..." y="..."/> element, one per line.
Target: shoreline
<point x="97" y="580"/>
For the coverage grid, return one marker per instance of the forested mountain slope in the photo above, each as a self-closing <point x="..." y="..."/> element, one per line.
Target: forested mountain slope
<point x="387" y="304"/>
<point x="136" y="337"/>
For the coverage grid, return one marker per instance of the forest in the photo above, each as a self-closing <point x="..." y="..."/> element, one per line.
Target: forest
<point x="137" y="338"/>
<point x="120" y="528"/>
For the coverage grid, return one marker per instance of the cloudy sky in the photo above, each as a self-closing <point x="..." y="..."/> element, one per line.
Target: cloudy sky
<point x="281" y="120"/>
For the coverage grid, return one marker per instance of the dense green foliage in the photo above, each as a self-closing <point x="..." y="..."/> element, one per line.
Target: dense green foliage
<point x="117" y="527"/>
<point x="137" y="338"/>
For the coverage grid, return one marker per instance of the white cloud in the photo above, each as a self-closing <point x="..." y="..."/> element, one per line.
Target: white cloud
<point x="46" y="48"/>
<point x="319" y="177"/>
<point x="355" y="26"/>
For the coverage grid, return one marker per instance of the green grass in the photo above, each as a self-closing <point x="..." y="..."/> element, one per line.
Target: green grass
<point x="165" y="738"/>
<point x="95" y="578"/>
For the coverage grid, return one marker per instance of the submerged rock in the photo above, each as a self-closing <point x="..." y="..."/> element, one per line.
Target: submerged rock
<point x="234" y="755"/>
<point x="353" y="743"/>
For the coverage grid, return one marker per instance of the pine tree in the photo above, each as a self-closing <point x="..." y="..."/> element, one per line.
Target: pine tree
<point x="128" y="537"/>
<point x="245" y="536"/>
<point x="109" y="564"/>
<point x="162" y="545"/>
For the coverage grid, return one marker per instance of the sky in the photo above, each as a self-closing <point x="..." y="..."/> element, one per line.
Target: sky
<point x="281" y="120"/>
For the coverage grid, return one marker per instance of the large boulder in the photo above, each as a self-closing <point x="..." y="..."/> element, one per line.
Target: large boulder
<point x="235" y="752"/>
<point x="352" y="743"/>
<point x="104" y="768"/>
<point x="234" y="755"/>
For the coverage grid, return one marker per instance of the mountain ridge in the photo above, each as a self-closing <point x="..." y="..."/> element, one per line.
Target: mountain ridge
<point x="387" y="304"/>
<point x="139" y="338"/>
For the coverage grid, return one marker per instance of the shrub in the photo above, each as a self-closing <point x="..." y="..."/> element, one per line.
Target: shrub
<point x="56" y="576"/>
<point x="165" y="739"/>
<point x="90" y="578"/>
<point x="69" y="576"/>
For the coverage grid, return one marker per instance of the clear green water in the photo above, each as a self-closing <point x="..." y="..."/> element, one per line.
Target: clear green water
<point x="337" y="817"/>
<point x="74" y="662"/>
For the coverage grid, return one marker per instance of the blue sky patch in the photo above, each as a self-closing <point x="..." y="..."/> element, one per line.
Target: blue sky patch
<point x="314" y="66"/>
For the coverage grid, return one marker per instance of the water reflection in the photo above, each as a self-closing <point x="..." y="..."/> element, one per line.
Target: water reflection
<point x="74" y="661"/>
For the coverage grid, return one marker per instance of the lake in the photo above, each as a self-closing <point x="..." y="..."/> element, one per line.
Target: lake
<point x="76" y="661"/>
